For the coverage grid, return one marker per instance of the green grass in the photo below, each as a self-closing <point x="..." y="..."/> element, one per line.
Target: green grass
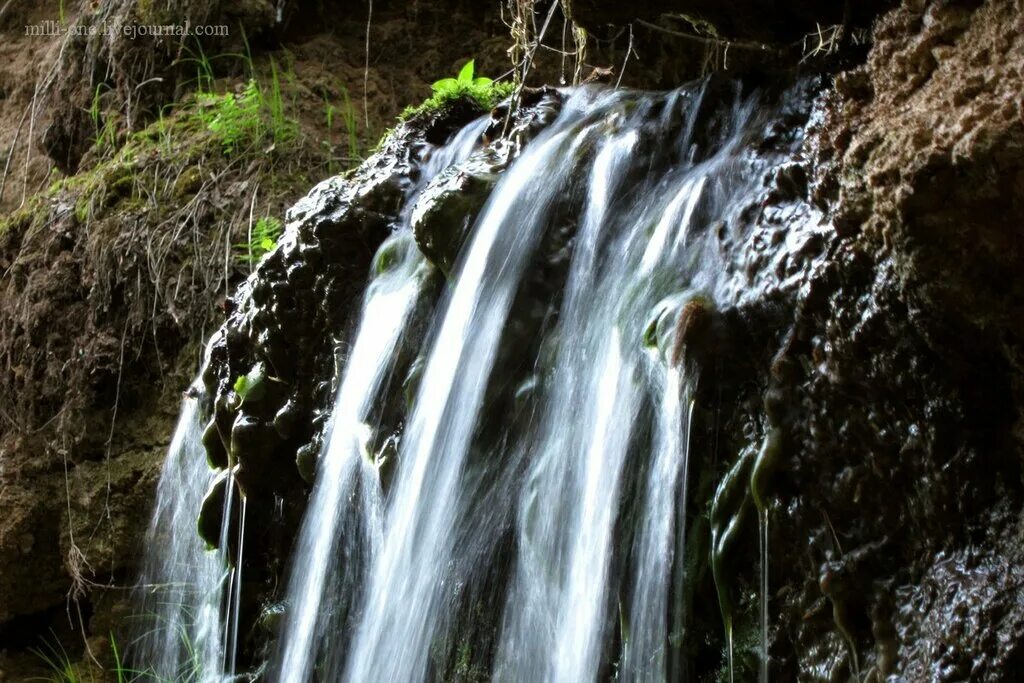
<point x="236" y="120"/>
<point x="242" y="121"/>
<point x="62" y="670"/>
<point x="349" y="120"/>
<point x="56" y="659"/>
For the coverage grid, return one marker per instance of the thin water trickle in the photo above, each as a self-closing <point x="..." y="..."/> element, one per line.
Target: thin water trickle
<point x="762" y="528"/>
<point x="234" y="592"/>
<point x="181" y="589"/>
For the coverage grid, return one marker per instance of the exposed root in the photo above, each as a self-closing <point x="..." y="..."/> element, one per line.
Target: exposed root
<point x="366" y="65"/>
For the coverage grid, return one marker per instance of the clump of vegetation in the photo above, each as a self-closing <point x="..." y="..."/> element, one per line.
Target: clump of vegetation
<point x="248" y="117"/>
<point x="486" y="92"/>
<point x="234" y="119"/>
<point x="62" y="670"/>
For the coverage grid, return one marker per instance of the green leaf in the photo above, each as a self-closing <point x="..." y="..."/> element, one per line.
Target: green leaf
<point x="249" y="387"/>
<point x="444" y="85"/>
<point x="482" y="81"/>
<point x="466" y="75"/>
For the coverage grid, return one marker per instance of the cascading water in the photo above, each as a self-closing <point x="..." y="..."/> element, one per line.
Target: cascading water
<point x="645" y="656"/>
<point x="346" y="468"/>
<point x="536" y="527"/>
<point x="185" y="592"/>
<point x="558" y="603"/>
<point x="402" y="614"/>
<point x="340" y="535"/>
<point x="544" y="609"/>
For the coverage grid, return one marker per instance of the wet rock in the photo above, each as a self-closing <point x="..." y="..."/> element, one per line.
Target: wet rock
<point x="305" y="462"/>
<point x="386" y="460"/>
<point x="287" y="418"/>
<point x="211" y="523"/>
<point x="955" y="625"/>
<point x="272" y="617"/>
<point x="693" y="330"/>
<point x="213" y="442"/>
<point x="449" y="206"/>
<point x="253" y="444"/>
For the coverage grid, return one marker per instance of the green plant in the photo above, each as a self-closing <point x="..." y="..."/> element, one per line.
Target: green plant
<point x="204" y="69"/>
<point x="485" y="91"/>
<point x="105" y="134"/>
<point x="349" y="119"/>
<point x="249" y="386"/>
<point x="56" y="659"/>
<point x="282" y="128"/>
<point x="262" y="240"/>
<point x="242" y="119"/>
<point x="465" y="82"/>
<point x="63" y="670"/>
<point x="190" y="666"/>
<point x="256" y="114"/>
<point x="348" y="115"/>
<point x="234" y="119"/>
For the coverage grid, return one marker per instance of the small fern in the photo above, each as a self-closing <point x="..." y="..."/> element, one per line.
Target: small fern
<point x="265" y="234"/>
<point x="234" y="119"/>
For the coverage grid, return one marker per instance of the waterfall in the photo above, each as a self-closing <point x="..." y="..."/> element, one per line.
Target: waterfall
<point x="182" y="588"/>
<point x="402" y="611"/>
<point x="544" y="455"/>
<point x="559" y="582"/>
<point x="345" y="468"/>
<point x="631" y="254"/>
<point x="327" y="544"/>
<point x="645" y="656"/>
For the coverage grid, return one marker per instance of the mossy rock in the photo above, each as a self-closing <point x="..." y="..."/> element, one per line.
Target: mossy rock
<point x="188" y="183"/>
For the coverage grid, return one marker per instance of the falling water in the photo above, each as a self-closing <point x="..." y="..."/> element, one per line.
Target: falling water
<point x="559" y="585"/>
<point x="762" y="530"/>
<point x="631" y="254"/>
<point x="402" y="610"/>
<point x="234" y="579"/>
<point x="768" y="453"/>
<point x="645" y="652"/>
<point x="344" y="466"/>
<point x="347" y="468"/>
<point x="182" y="585"/>
<point x="591" y="515"/>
